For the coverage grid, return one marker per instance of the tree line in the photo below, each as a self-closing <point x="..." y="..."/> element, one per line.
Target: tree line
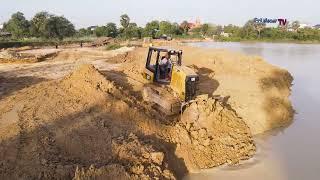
<point x="259" y="31"/>
<point x="50" y="26"/>
<point x="153" y="29"/>
<point x="129" y="29"/>
<point x="43" y="24"/>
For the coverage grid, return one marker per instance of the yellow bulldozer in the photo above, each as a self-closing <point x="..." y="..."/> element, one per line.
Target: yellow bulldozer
<point x="171" y="85"/>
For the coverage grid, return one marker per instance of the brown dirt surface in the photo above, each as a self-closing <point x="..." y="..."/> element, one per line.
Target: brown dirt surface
<point x="81" y="120"/>
<point x="93" y="124"/>
<point x="27" y="55"/>
<point x="259" y="92"/>
<point x="216" y="134"/>
<point x="59" y="125"/>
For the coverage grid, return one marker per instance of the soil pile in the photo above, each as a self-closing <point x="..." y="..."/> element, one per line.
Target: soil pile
<point x="50" y="129"/>
<point x="213" y="134"/>
<point x="81" y="54"/>
<point x="259" y="92"/>
<point x="102" y="41"/>
<point x="85" y="126"/>
<point x="84" y="54"/>
<point x="136" y="160"/>
<point x="26" y="55"/>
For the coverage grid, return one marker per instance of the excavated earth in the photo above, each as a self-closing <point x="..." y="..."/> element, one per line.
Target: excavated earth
<point x="259" y="92"/>
<point x="26" y="55"/>
<point x="93" y="124"/>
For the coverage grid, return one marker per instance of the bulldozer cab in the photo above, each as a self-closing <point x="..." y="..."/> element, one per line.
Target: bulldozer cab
<point x="170" y="71"/>
<point x="160" y="62"/>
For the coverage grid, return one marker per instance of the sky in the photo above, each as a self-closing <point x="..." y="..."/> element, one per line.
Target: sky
<point x="84" y="13"/>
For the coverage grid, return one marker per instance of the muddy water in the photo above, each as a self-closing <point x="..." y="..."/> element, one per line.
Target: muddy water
<point x="294" y="152"/>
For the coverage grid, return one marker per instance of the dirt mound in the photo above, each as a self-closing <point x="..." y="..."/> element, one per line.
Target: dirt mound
<point x="102" y="41"/>
<point x="57" y="126"/>
<point x="141" y="159"/>
<point x="83" y="126"/>
<point x="91" y="54"/>
<point x="136" y="160"/>
<point x="259" y="92"/>
<point x="254" y="86"/>
<point x="120" y="58"/>
<point x="113" y="171"/>
<point x="86" y="80"/>
<point x="26" y="55"/>
<point x="80" y="54"/>
<point x="213" y="134"/>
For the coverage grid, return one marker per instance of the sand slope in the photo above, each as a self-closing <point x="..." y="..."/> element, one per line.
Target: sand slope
<point x="94" y="124"/>
<point x="259" y="92"/>
<point x="84" y="126"/>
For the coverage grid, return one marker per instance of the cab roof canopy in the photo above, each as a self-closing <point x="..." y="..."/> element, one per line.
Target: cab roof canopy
<point x="165" y="49"/>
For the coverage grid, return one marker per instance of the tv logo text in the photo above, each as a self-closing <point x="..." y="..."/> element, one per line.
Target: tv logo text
<point x="281" y="21"/>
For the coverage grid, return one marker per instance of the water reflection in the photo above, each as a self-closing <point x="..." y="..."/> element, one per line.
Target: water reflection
<point x="293" y="152"/>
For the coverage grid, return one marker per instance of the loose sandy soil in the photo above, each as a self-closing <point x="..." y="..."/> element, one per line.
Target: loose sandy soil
<point x="64" y="118"/>
<point x="258" y="91"/>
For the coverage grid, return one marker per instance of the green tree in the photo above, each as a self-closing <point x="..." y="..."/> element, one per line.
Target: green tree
<point x="151" y="29"/>
<point x="132" y="31"/>
<point x="208" y="30"/>
<point x="18" y="25"/>
<point x="219" y="30"/>
<point x="284" y="27"/>
<point x="295" y="25"/>
<point x="231" y="29"/>
<point x="248" y="27"/>
<point x="83" y="32"/>
<point x="59" y="27"/>
<point x="111" y="30"/>
<point x="228" y="29"/>
<point x="259" y="27"/>
<point x="185" y="26"/>
<point x="177" y="29"/>
<point x="124" y="21"/>
<point x="204" y="29"/>
<point x="165" y="27"/>
<point x="38" y="24"/>
<point x="100" y="31"/>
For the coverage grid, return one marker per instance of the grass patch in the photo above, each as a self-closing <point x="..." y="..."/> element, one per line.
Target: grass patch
<point x="113" y="46"/>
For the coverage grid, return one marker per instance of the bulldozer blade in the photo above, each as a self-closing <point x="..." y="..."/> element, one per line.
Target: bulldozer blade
<point x="166" y="103"/>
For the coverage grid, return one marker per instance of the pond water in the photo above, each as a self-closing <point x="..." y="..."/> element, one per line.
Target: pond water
<point x="294" y="152"/>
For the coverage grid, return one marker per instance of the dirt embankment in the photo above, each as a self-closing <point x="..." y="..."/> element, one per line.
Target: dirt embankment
<point x="85" y="126"/>
<point x="55" y="127"/>
<point x="26" y="55"/>
<point x="94" y="124"/>
<point x="259" y="92"/>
